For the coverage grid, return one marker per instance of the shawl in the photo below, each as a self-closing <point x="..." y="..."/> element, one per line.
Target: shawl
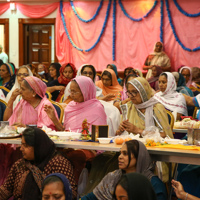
<point x="11" y="70"/>
<point x="66" y="183"/>
<point x="171" y="99"/>
<point x="105" y="189"/>
<point x="17" y="86"/>
<point x="155" y="114"/>
<point x="75" y="112"/>
<point x="24" y="110"/>
<point x="115" y="70"/>
<point x="62" y="79"/>
<point x="190" y="82"/>
<point x="137" y="184"/>
<point x="115" y="88"/>
<point x="157" y="58"/>
<point x="33" y="183"/>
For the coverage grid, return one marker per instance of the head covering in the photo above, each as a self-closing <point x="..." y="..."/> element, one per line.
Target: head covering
<point x="155" y="78"/>
<point x="138" y="72"/>
<point x="171" y="99"/>
<point x="11" y="70"/>
<point x="189" y="83"/>
<point x="42" y="156"/>
<point x="84" y="65"/>
<point x="114" y="88"/>
<point x="75" y="112"/>
<point x="37" y="85"/>
<point x="16" y="85"/>
<point x="115" y="70"/>
<point x="157" y="53"/>
<point x="66" y="183"/>
<point x="137" y="184"/>
<point x="144" y="165"/>
<point x="62" y="79"/>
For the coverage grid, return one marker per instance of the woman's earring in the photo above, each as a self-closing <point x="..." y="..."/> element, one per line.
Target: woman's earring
<point x="33" y="95"/>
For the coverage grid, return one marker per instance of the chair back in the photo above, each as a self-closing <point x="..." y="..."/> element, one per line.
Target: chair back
<point x="61" y="100"/>
<point x="170" y="118"/>
<point x="3" y="105"/>
<point x="194" y="116"/>
<point x="4" y="90"/>
<point x="48" y="95"/>
<point x="59" y="110"/>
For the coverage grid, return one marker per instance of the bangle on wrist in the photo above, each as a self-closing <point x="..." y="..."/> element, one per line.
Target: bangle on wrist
<point x="186" y="196"/>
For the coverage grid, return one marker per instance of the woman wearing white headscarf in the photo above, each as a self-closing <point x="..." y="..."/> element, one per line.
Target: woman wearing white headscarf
<point x="22" y="73"/>
<point x="159" y="58"/>
<point x="172" y="100"/>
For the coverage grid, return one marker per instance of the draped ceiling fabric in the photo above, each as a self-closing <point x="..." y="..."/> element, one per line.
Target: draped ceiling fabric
<point x="37" y="11"/>
<point x="4" y="7"/>
<point x="134" y="40"/>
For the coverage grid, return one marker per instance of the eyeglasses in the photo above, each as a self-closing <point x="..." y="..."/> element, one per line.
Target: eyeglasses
<point x="87" y="73"/>
<point x="105" y="79"/>
<point x="72" y="92"/>
<point x="133" y="93"/>
<point x="24" y="74"/>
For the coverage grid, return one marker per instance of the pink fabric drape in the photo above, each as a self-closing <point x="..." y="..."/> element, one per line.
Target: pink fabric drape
<point x="4" y="7"/>
<point x="134" y="40"/>
<point x="37" y="11"/>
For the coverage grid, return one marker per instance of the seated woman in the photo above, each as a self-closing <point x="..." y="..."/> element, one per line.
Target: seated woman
<point x="134" y="186"/>
<point x="133" y="157"/>
<point x="43" y="72"/>
<point x="67" y="73"/>
<point x="22" y="72"/>
<point x="159" y="58"/>
<point x="26" y="175"/>
<point x="113" y="67"/>
<point x="56" y="185"/>
<point x="7" y="75"/>
<point x="168" y="96"/>
<point x="84" y="106"/>
<point x="30" y="110"/>
<point x="144" y="111"/>
<point x="183" y="89"/>
<point x="187" y="74"/>
<point x="109" y="84"/>
<point x="84" y="70"/>
<point x="153" y="81"/>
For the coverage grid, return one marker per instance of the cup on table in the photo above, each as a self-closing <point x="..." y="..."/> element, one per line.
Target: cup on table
<point x="4" y="123"/>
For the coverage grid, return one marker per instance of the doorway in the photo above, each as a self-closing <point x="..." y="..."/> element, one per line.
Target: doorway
<point x="36" y="41"/>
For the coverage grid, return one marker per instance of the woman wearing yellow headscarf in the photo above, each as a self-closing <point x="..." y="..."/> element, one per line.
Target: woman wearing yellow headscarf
<point x="143" y="110"/>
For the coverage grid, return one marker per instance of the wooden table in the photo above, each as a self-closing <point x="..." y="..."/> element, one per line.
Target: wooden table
<point x="157" y="154"/>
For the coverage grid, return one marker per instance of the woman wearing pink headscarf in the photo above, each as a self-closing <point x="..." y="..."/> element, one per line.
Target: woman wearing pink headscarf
<point x="84" y="106"/>
<point x="31" y="109"/>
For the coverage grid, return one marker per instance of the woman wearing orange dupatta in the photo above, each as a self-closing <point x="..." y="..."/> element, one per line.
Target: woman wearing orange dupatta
<point x="109" y="84"/>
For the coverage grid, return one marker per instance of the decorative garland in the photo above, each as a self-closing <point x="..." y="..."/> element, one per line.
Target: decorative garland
<point x="139" y="19"/>
<point x="92" y="18"/>
<point x="184" y="12"/>
<point x="161" y="20"/>
<point x="174" y="32"/>
<point x="103" y="28"/>
<point x="114" y="29"/>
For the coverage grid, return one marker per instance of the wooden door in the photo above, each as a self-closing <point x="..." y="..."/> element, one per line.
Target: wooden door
<point x="39" y="44"/>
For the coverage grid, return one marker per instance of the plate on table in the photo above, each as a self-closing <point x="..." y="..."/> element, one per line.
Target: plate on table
<point x="9" y="136"/>
<point x="180" y="130"/>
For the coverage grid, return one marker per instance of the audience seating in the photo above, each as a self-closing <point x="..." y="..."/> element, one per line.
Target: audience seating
<point x="48" y="95"/>
<point x="4" y="90"/>
<point x="3" y="105"/>
<point x="59" y="110"/>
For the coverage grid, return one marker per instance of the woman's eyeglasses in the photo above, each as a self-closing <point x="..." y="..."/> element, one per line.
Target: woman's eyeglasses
<point x="24" y="74"/>
<point x="133" y="93"/>
<point x="73" y="92"/>
<point x="87" y="73"/>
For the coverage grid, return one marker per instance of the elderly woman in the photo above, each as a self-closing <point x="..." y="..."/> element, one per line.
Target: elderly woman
<point x="158" y="57"/>
<point x="84" y="106"/>
<point x="132" y="186"/>
<point x="26" y="175"/>
<point x="56" y="185"/>
<point x="30" y="110"/>
<point x="22" y="72"/>
<point x="109" y="84"/>
<point x="67" y="73"/>
<point x="168" y="96"/>
<point x="133" y="157"/>
<point x="7" y="75"/>
<point x="144" y="111"/>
